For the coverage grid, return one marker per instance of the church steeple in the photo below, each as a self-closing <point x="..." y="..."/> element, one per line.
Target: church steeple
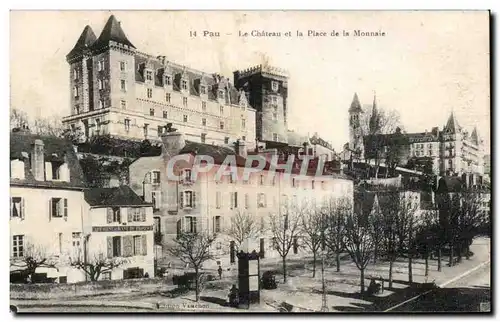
<point x="452" y="124"/>
<point x="474" y="136"/>
<point x="355" y="105"/>
<point x="86" y="39"/>
<point x="374" y="118"/>
<point x="112" y="31"/>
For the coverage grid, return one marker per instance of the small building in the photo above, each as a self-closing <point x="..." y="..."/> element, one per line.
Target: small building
<point x="121" y="227"/>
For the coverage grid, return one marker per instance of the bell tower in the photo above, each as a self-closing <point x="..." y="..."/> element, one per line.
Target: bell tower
<point x="355" y="129"/>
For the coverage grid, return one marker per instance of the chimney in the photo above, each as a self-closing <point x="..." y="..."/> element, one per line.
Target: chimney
<point x="240" y="149"/>
<point x="37" y="161"/>
<point x="173" y="141"/>
<point x="435" y="130"/>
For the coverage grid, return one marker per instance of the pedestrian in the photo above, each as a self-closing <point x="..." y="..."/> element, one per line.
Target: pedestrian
<point x="220" y="272"/>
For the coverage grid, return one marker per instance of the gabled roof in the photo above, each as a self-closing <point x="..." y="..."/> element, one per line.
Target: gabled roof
<point x="55" y="149"/>
<point x="117" y="196"/>
<point x="452" y="125"/>
<point x="355" y="105"/>
<point x="86" y="39"/>
<point x="112" y="31"/>
<point x="218" y="153"/>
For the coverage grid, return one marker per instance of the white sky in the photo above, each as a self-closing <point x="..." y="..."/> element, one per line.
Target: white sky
<point x="428" y="64"/>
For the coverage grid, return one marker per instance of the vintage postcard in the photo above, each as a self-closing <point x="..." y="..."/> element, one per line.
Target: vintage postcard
<point x="260" y="161"/>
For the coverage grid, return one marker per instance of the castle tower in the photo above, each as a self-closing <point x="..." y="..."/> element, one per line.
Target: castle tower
<point x="268" y="92"/>
<point x="355" y="129"/>
<point x="102" y="74"/>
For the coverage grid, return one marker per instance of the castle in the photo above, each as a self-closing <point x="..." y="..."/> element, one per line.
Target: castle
<point x="452" y="150"/>
<point x="124" y="93"/>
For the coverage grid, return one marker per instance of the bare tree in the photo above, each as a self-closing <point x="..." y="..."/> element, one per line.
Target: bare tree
<point x="285" y="230"/>
<point x="427" y="237"/>
<point x="470" y="218"/>
<point x="408" y="222"/>
<point x="18" y="118"/>
<point x="243" y="226"/>
<point x="50" y="126"/>
<point x="96" y="265"/>
<point x="449" y="213"/>
<point x="336" y="211"/>
<point x="193" y="249"/>
<point x="358" y="241"/>
<point x="312" y="231"/>
<point x="33" y="257"/>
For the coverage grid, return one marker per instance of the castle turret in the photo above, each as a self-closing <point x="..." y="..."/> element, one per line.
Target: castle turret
<point x="355" y="130"/>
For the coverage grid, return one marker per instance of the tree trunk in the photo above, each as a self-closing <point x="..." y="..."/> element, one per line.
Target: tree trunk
<point x="337" y="258"/>
<point x="467" y="254"/>
<point x="362" y="281"/>
<point x="410" y="268"/>
<point x="439" y="259"/>
<point x="459" y="250"/>
<point x="451" y="256"/>
<point x="196" y="284"/>
<point x="314" y="264"/>
<point x="390" y="271"/>
<point x="284" y="269"/>
<point x="375" y="253"/>
<point x="427" y="264"/>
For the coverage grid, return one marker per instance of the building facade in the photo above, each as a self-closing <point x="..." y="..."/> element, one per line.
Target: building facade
<point x="47" y="205"/>
<point x="450" y="151"/>
<point x="208" y="203"/>
<point x="121" y="228"/>
<point x="120" y="91"/>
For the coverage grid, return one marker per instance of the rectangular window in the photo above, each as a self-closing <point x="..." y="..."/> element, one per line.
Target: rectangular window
<point x="123" y="85"/>
<point x="234" y="200"/>
<point x="137" y="245"/>
<point x="75" y="91"/>
<point x="203" y="137"/>
<point x="100" y="65"/>
<point x="312" y="184"/>
<point x="261" y="179"/>
<point x="165" y="114"/>
<point x="188" y="199"/>
<point x="204" y="121"/>
<point x="17" y="246"/>
<point x="160" y="130"/>
<point x="204" y="106"/>
<point x="101" y="104"/>
<point x="191" y="224"/>
<point x="123" y="104"/>
<point x="156" y="199"/>
<point x="17" y="207"/>
<point x="184" y="101"/>
<point x="151" y="112"/>
<point x="274" y="86"/>
<point x="275" y="137"/>
<point x="226" y="140"/>
<point x="150" y="92"/>
<point x="100" y="84"/>
<point x="221" y="109"/>
<point x="293" y="182"/>
<point x="127" y="125"/>
<point x="106" y="276"/>
<point x="185" y="118"/>
<point x="261" y="200"/>
<point x="243" y="123"/>
<point x="146" y="126"/>
<point x="184" y="84"/>
<point x="168" y="80"/>
<point x="58" y="207"/>
<point x="203" y="90"/>
<point x="217" y="224"/>
<point x="149" y="75"/>
<point x="123" y="66"/>
<point x="98" y="129"/>
<point x="218" y="199"/>
<point x="222" y="125"/>
<point x="187" y="175"/>
<point x="243" y="138"/>
<point x="76" y="74"/>
<point x="76" y="241"/>
<point x="77" y="109"/>
<point x="136" y="214"/>
<point x="167" y="97"/>
<point x="117" y="246"/>
<point x="116" y="214"/>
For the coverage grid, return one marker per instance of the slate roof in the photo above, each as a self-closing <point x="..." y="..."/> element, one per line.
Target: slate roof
<point x="112" y="31"/>
<point x="452" y="125"/>
<point x="87" y="38"/>
<point x="117" y="196"/>
<point x="355" y="105"/>
<point x="55" y="149"/>
<point x="218" y="153"/>
<point x="194" y="77"/>
<point x="474" y="137"/>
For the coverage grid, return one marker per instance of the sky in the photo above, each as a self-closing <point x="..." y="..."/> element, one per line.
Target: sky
<point x="427" y="65"/>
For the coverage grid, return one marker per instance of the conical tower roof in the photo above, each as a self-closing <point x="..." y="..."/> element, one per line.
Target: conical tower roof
<point x="112" y="31"/>
<point x="355" y="105"/>
<point x="474" y="137"/>
<point x="452" y="124"/>
<point x="86" y="39"/>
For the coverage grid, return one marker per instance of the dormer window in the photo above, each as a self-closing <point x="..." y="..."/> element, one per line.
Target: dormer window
<point x="168" y="80"/>
<point x="100" y="65"/>
<point x="75" y="91"/>
<point x="56" y="171"/>
<point x="221" y="94"/>
<point x="100" y="84"/>
<point x="76" y="74"/>
<point x="186" y="176"/>
<point x="274" y="86"/>
<point x="203" y="89"/>
<point x="149" y="75"/>
<point x="184" y="84"/>
<point x="17" y="169"/>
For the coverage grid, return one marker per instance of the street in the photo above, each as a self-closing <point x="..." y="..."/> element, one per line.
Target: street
<point x="463" y="295"/>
